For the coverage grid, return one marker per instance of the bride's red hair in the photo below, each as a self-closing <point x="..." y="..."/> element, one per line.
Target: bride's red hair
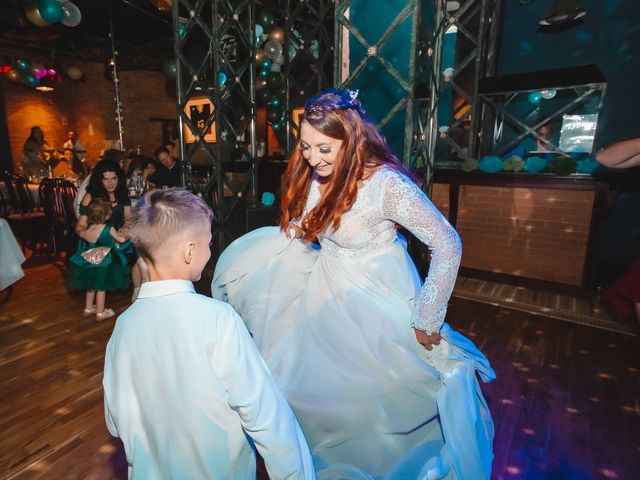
<point x="338" y="115"/>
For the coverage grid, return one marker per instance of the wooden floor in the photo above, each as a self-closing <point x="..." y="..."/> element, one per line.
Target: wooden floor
<point x="566" y="404"/>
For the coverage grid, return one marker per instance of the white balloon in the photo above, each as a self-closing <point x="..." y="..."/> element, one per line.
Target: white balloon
<point x="276" y="67"/>
<point x="71" y="15"/>
<point x="272" y="49"/>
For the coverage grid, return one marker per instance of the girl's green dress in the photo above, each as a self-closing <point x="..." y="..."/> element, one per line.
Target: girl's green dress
<point x="113" y="273"/>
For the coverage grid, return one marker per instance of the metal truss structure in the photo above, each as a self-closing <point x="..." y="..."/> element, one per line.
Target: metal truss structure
<point x="347" y="32"/>
<point x="477" y="27"/>
<point x="214" y="48"/>
<point x="308" y="44"/>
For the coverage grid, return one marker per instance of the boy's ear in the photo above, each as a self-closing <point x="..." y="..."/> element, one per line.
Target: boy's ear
<point x="187" y="251"/>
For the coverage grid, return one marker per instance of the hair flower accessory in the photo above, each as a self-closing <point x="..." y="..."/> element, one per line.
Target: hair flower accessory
<point x="353" y="94"/>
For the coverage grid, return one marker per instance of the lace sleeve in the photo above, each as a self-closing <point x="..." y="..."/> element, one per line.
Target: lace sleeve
<point x="403" y="202"/>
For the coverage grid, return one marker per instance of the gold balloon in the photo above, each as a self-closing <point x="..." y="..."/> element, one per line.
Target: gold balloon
<point x="74" y="73"/>
<point x="13" y="75"/>
<point x="162" y="5"/>
<point x="277" y="34"/>
<point x="260" y="55"/>
<point x="261" y="83"/>
<point x="33" y="15"/>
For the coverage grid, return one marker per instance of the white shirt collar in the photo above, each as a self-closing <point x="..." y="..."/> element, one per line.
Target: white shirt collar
<point x="160" y="288"/>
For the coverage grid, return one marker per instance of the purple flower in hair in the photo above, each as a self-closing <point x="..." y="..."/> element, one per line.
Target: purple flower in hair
<point x="333" y="99"/>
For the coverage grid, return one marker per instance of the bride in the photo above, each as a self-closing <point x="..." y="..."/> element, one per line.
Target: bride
<point x="382" y="387"/>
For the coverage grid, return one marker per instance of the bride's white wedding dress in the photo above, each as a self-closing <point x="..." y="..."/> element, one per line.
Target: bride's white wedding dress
<point x="334" y="325"/>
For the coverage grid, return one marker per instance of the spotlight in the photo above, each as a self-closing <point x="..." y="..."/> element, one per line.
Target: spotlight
<point x="562" y="11"/>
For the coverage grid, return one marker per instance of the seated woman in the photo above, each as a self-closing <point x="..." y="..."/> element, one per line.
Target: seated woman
<point x="108" y="182"/>
<point x="64" y="168"/>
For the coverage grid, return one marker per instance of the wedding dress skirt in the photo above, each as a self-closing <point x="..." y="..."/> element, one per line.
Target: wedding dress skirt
<point x="336" y="335"/>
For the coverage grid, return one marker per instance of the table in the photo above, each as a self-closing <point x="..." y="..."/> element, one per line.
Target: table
<point x="11" y="257"/>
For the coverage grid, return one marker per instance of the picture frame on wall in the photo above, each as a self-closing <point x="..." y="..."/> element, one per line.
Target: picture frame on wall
<point x="199" y="109"/>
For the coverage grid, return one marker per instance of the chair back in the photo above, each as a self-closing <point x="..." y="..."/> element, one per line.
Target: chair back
<point x="56" y="196"/>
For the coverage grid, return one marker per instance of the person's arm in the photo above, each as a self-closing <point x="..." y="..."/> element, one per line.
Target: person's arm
<point x="264" y="413"/>
<point x="621" y="155"/>
<point x="117" y="236"/>
<point x="124" y="230"/>
<point x="83" y="220"/>
<point x="403" y="202"/>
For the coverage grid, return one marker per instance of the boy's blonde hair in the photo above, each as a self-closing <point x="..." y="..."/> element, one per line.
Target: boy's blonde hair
<point x="162" y="216"/>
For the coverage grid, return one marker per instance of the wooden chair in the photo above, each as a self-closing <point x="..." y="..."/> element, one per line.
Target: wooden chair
<point x="26" y="220"/>
<point x="56" y="196"/>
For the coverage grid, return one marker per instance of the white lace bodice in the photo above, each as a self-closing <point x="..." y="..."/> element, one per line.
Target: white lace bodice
<point x="388" y="198"/>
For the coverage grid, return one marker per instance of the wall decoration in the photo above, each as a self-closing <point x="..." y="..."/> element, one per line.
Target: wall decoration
<point x="199" y="109"/>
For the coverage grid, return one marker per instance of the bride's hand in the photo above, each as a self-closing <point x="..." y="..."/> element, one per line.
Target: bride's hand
<point x="293" y="231"/>
<point x="426" y="340"/>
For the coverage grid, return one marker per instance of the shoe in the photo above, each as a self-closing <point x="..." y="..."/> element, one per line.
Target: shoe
<point x="136" y="291"/>
<point x="108" y="313"/>
<point x="87" y="312"/>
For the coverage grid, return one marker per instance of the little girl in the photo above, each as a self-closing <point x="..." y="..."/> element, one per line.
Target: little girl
<point x="99" y="265"/>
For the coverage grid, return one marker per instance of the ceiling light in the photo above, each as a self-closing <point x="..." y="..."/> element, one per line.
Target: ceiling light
<point x="562" y="11"/>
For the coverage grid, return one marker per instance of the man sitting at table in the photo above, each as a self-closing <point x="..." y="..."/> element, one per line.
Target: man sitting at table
<point x="167" y="171"/>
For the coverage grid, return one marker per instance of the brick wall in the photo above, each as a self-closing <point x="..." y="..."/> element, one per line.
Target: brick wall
<point x="535" y="233"/>
<point x="88" y="107"/>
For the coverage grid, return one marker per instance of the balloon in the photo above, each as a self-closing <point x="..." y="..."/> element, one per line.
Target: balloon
<point x="281" y="91"/>
<point x="31" y="80"/>
<point x="265" y="18"/>
<point x="277" y="126"/>
<point x="71" y="16"/>
<point x="279" y="60"/>
<point x="264" y="96"/>
<point x="534" y="98"/>
<point x="274" y="114"/>
<point x="548" y="94"/>
<point x="277" y="34"/>
<point x="170" y="69"/>
<point x="274" y="79"/>
<point x="14" y="75"/>
<point x="272" y="49"/>
<point x="266" y="64"/>
<point x="222" y="79"/>
<point x="162" y="5"/>
<point x="39" y="71"/>
<point x="275" y="102"/>
<point x="276" y="67"/>
<point x="22" y="64"/>
<point x="50" y="10"/>
<point x="33" y="15"/>
<point x="74" y="73"/>
<point x="260" y="55"/>
<point x="259" y="30"/>
<point x="263" y="73"/>
<point x="261" y="83"/>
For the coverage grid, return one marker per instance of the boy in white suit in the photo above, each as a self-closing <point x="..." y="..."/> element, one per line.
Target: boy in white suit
<point x="184" y="385"/>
